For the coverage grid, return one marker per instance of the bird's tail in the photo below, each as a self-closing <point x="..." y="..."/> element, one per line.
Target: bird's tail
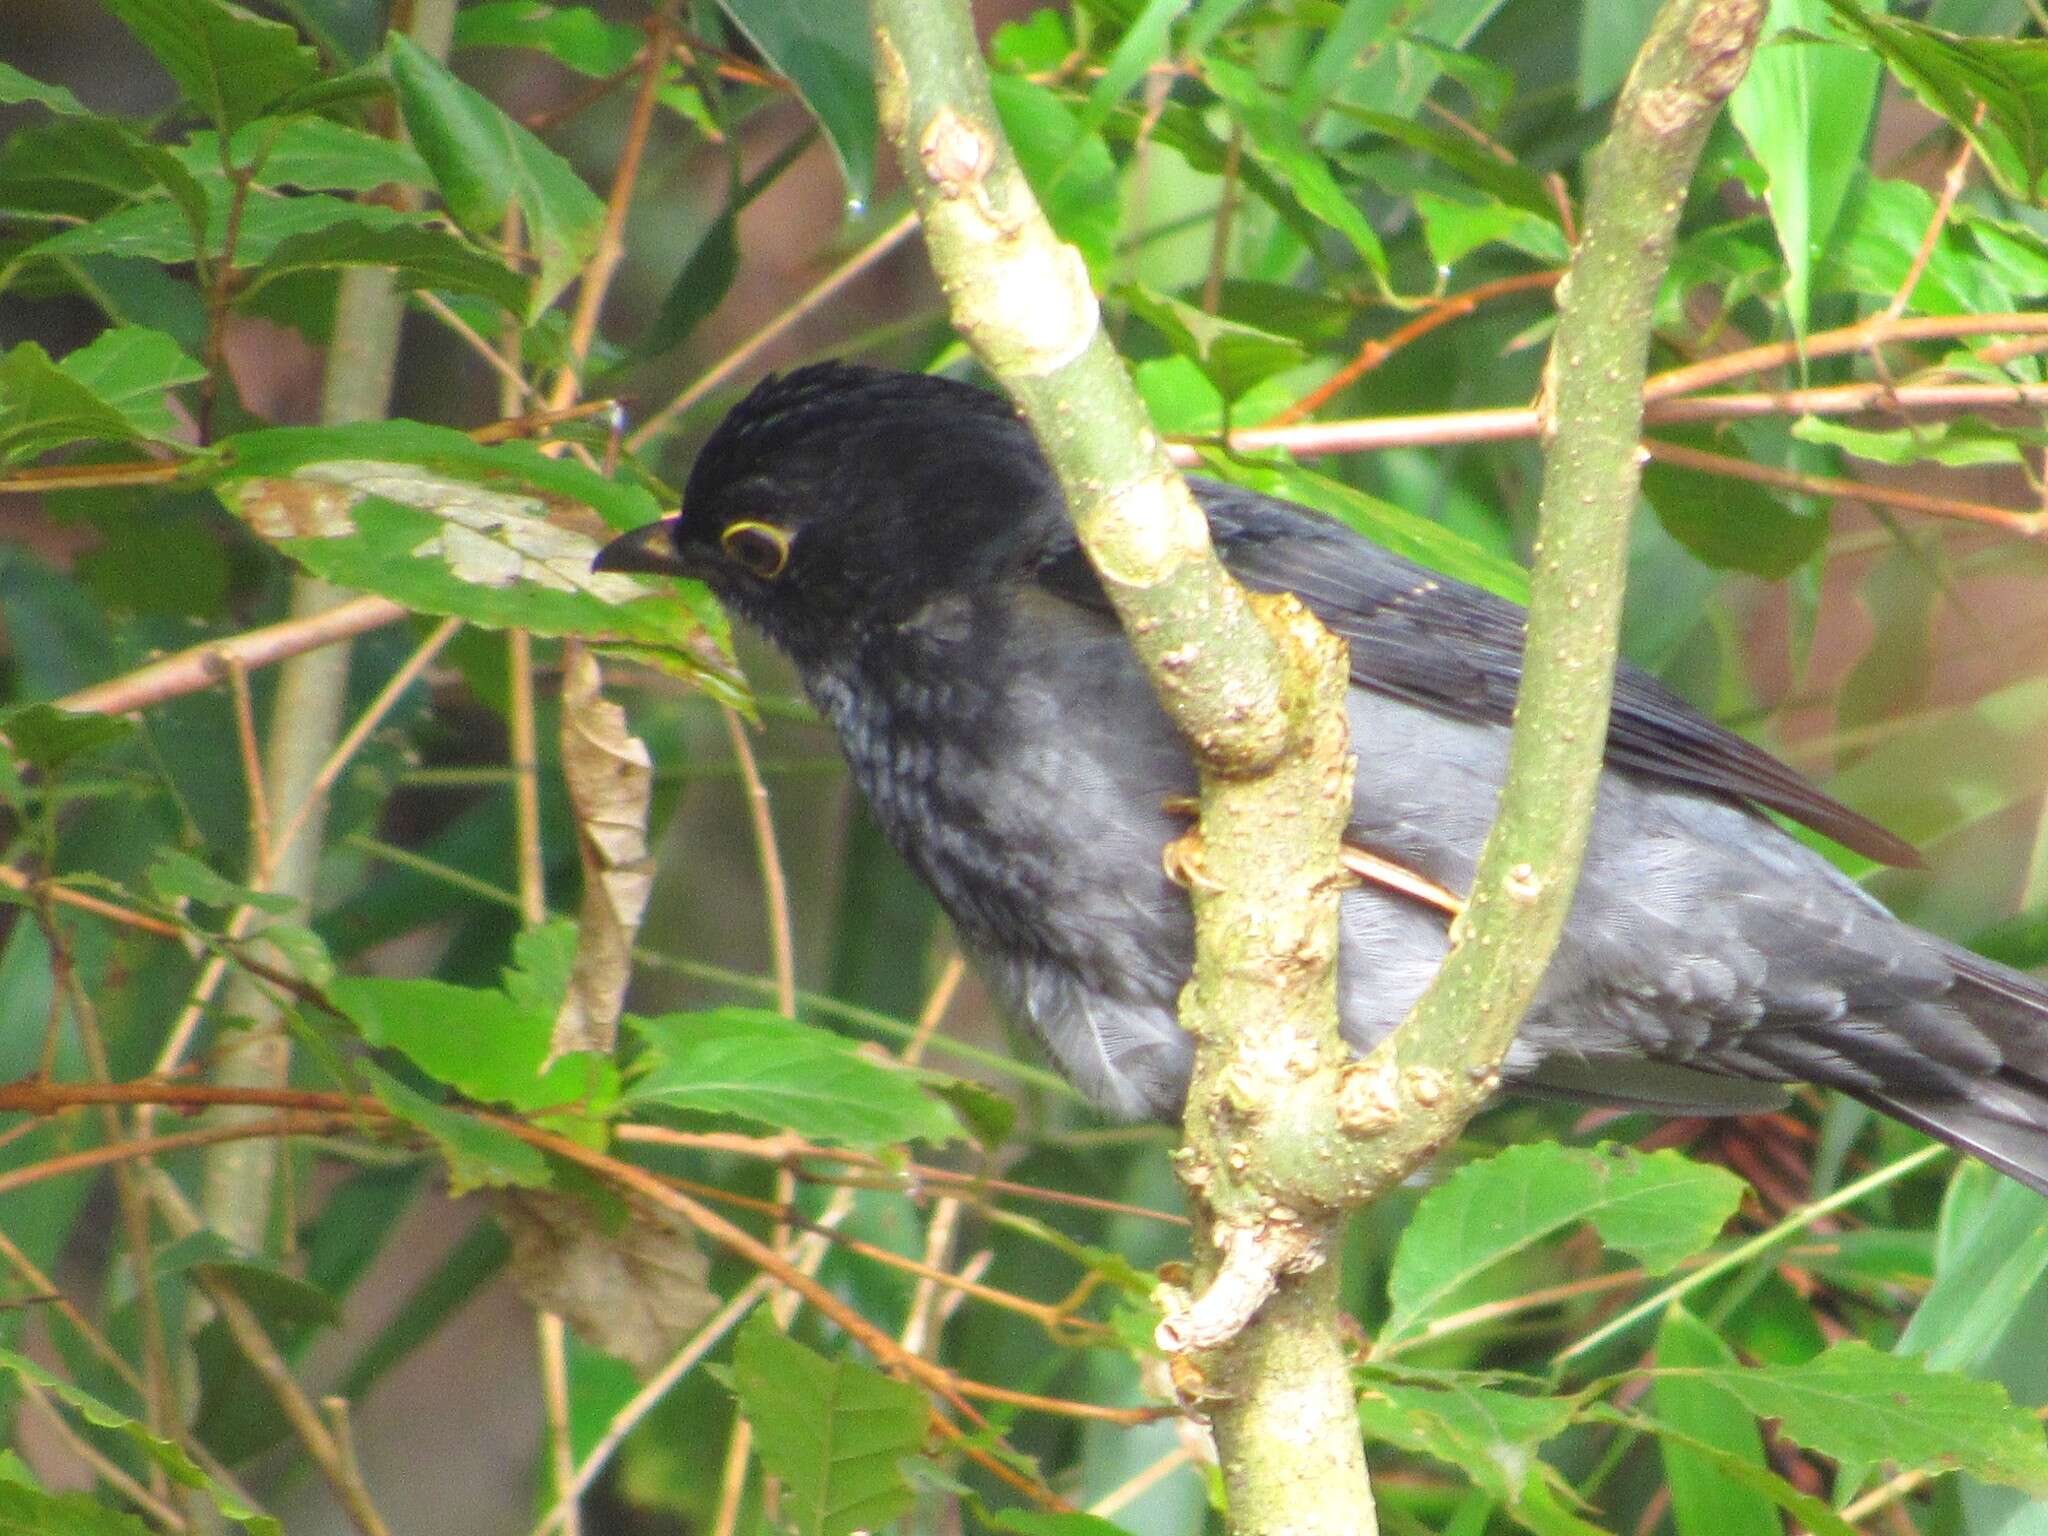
<point x="2004" y="1121"/>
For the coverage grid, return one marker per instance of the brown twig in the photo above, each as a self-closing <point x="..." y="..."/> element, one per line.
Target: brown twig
<point x="2023" y="524"/>
<point x="1373" y="353"/>
<point x="774" y="885"/>
<point x="1951" y="189"/>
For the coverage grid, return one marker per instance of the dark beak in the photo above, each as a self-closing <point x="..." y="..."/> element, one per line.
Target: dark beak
<point x="646" y="551"/>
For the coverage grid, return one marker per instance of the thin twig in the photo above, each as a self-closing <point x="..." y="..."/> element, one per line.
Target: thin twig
<point x="774" y="884"/>
<point x="553" y="1342"/>
<point x="525" y="754"/>
<point x="1951" y="189"/>
<point x="252" y="759"/>
<point x="766" y="336"/>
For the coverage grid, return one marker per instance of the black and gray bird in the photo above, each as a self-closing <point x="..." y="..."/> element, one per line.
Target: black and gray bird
<point x="903" y="540"/>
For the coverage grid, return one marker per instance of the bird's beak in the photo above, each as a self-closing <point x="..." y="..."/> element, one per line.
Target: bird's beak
<point x="646" y="551"/>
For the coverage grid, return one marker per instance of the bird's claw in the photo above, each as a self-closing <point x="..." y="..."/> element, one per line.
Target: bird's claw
<point x="1183" y="860"/>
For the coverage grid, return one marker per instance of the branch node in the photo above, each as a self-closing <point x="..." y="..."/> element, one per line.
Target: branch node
<point x="1254" y="1260"/>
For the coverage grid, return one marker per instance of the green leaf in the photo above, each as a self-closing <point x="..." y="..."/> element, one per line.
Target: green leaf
<point x="479" y="1155"/>
<point x="1464" y="1419"/>
<point x="131" y="367"/>
<point x="1805" y="109"/>
<point x="832" y="1430"/>
<point x="1734" y="525"/>
<point x="1859" y="1405"/>
<point x="50" y="738"/>
<point x="1659" y="1208"/>
<point x="1610" y="32"/>
<point x="1704" y="1502"/>
<point x="17" y="87"/>
<point x="574" y="36"/>
<point x="823" y="49"/>
<point x="1737" y="1473"/>
<point x="26" y="1511"/>
<point x="314" y="153"/>
<point x="1961" y="442"/>
<point x="1232" y="355"/>
<point x="763" y="1067"/>
<point x="1038" y="1522"/>
<point x="1991" y="1253"/>
<point x="1143" y="45"/>
<point x="43" y="407"/>
<point x="179" y="1467"/>
<point x="174" y="875"/>
<point x="1276" y="143"/>
<point x="487" y="164"/>
<point x="1951" y="75"/>
<point x="444" y="525"/>
<point x="477" y="1040"/>
<point x="420" y="255"/>
<point x="1067" y="163"/>
<point x="699" y="288"/>
<point x="233" y="65"/>
<point x="1453" y="228"/>
<point x="158" y="229"/>
<point x="1405" y="533"/>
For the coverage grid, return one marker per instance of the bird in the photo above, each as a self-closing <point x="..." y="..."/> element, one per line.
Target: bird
<point x="903" y="540"/>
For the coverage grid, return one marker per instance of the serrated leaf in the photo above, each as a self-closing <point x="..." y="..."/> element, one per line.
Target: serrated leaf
<point x="1492" y="1433"/>
<point x="179" y="1467"/>
<point x="42" y="408"/>
<point x="763" y="1067"/>
<point x="1232" y="355"/>
<point x="1453" y="228"/>
<point x="27" y="1511"/>
<point x="311" y="153"/>
<point x="233" y="65"/>
<point x="130" y="367"/>
<point x="479" y="1155"/>
<point x="1805" y="109"/>
<point x="46" y="737"/>
<point x="494" y="535"/>
<point x="18" y="87"/>
<point x="420" y="256"/>
<point x="158" y="229"/>
<point x="832" y="1430"/>
<point x="1659" y="1208"/>
<point x="486" y="164"/>
<point x="1951" y="75"/>
<point x="477" y="1040"/>
<point x="1859" y="1405"/>
<point x="1736" y="1473"/>
<point x="823" y="49"/>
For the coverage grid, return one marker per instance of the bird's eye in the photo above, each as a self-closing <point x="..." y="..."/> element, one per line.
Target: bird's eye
<point x="761" y="547"/>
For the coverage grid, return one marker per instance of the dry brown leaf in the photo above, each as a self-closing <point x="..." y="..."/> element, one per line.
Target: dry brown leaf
<point x="611" y="783"/>
<point x="638" y="1292"/>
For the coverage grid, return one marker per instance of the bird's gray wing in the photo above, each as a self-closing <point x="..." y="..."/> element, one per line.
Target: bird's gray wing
<point x="1434" y="641"/>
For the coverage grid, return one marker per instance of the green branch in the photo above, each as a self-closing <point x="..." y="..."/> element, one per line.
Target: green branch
<point x="1284" y="1131"/>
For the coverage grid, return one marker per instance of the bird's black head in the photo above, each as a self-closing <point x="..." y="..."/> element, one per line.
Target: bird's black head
<point x="838" y="497"/>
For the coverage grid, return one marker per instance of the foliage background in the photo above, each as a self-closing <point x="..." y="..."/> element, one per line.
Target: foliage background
<point x="1891" y="651"/>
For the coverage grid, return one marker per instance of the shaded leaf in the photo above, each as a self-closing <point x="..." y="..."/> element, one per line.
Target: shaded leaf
<point x="1491" y="1433"/>
<point x="832" y="1430"/>
<point x="1731" y="524"/>
<point x="572" y="35"/>
<point x="1991" y="1253"/>
<point x="479" y="1155"/>
<point x="159" y="229"/>
<point x="1068" y="164"/>
<point x="27" y="1511"/>
<point x="313" y="153"/>
<point x="179" y="1467"/>
<point x="43" y="407"/>
<point x="1233" y="355"/>
<point x="637" y="1292"/>
<point x="1704" y="1500"/>
<point x="486" y="164"/>
<point x="420" y="256"/>
<point x="763" y="1067"/>
<point x="232" y="64"/>
<point x="46" y="737"/>
<point x="1660" y="1208"/>
<point x="1805" y="109"/>
<point x="823" y="49"/>
<point x="1859" y="1405"/>
<point x="1952" y="74"/>
<point x="175" y="875"/>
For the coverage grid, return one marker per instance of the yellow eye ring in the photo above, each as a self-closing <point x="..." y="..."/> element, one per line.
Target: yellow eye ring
<point x="761" y="548"/>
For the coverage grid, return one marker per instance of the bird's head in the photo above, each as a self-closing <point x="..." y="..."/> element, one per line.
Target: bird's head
<point x="839" y="497"/>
